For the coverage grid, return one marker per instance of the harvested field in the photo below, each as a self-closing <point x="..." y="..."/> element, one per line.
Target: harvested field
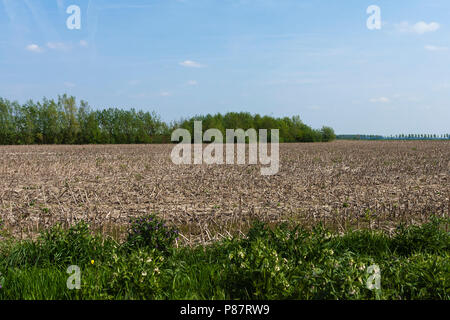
<point x="344" y="184"/>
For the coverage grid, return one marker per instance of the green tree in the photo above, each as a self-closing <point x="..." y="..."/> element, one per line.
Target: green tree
<point x="328" y="134"/>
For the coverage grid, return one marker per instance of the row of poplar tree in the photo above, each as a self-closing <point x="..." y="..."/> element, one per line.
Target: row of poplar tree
<point x="64" y="121"/>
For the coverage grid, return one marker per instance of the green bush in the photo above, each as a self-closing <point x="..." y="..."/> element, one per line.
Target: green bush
<point x="257" y="272"/>
<point x="61" y="247"/>
<point x="364" y="242"/>
<point x="419" y="276"/>
<point x="429" y="237"/>
<point x="152" y="232"/>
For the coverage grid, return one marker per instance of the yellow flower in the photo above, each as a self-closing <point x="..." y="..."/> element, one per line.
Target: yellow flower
<point x="92" y="261"/>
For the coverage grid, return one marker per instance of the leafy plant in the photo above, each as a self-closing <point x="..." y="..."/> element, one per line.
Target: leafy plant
<point x="152" y="232"/>
<point x="59" y="246"/>
<point x="271" y="262"/>
<point x="257" y="272"/>
<point x="136" y="274"/>
<point x="429" y="237"/>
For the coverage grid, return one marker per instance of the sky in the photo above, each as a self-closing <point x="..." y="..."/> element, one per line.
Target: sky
<point x="313" y="58"/>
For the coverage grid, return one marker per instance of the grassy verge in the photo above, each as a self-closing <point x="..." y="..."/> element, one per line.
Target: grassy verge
<point x="277" y="262"/>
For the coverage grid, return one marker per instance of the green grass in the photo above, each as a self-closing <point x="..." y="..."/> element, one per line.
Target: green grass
<point x="276" y="262"/>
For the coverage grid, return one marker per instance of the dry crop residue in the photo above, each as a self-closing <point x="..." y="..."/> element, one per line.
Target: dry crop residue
<point x="373" y="184"/>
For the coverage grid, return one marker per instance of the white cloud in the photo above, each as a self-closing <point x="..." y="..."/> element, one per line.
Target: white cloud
<point x="380" y="100"/>
<point x="192" y="83"/>
<point x="34" y="48"/>
<point x="420" y="27"/>
<point x="423" y="27"/>
<point x="165" y="94"/>
<point x="83" y="43"/>
<point x="191" y="64"/>
<point x="435" y="48"/>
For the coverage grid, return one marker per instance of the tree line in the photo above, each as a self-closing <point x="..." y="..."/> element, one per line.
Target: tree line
<point x="290" y="129"/>
<point x="63" y="121"/>
<point x="410" y="136"/>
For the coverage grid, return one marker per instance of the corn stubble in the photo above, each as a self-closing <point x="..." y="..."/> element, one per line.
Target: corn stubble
<point x="344" y="184"/>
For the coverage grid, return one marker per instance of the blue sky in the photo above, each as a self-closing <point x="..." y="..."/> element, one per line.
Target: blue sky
<point x="312" y="58"/>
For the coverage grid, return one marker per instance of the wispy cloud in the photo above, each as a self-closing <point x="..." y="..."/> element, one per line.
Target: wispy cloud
<point x="435" y="48"/>
<point x="380" y="100"/>
<point x="60" y="4"/>
<point x="127" y="6"/>
<point x="136" y="96"/>
<point x="34" y="48"/>
<point x="58" y="46"/>
<point x="192" y="83"/>
<point x="443" y="86"/>
<point x="41" y="19"/>
<point x="420" y="27"/>
<point x="405" y="97"/>
<point x="134" y="82"/>
<point x="191" y="64"/>
<point x="64" y="46"/>
<point x="165" y="94"/>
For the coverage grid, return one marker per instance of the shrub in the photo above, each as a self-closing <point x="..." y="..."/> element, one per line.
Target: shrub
<point x="150" y="231"/>
<point x="419" y="276"/>
<point x="257" y="272"/>
<point x="429" y="237"/>
<point x="59" y="246"/>
<point x="364" y="242"/>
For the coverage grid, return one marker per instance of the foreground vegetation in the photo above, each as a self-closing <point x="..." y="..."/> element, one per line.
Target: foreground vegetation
<point x="65" y="122"/>
<point x="271" y="262"/>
